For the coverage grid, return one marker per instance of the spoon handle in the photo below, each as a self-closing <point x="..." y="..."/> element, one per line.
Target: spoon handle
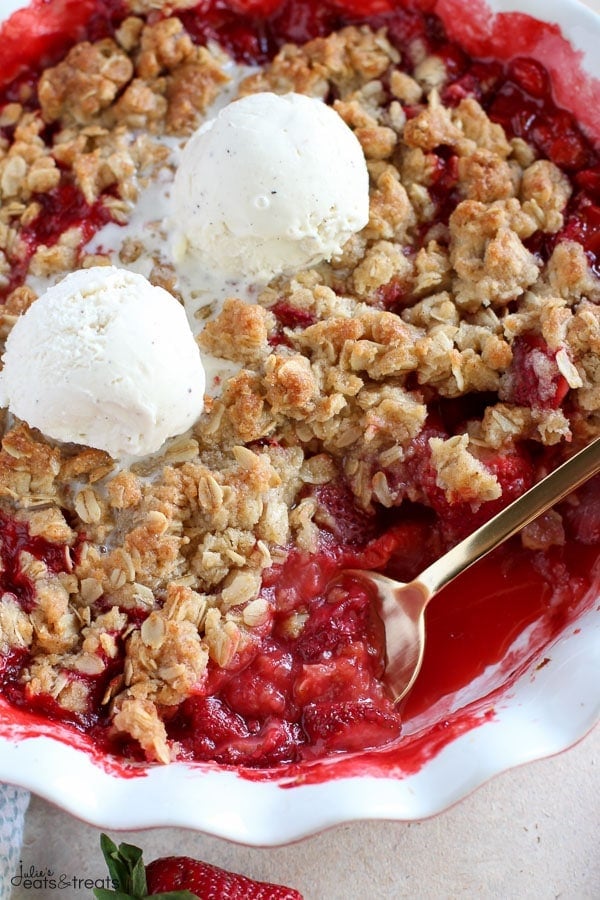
<point x="554" y="487"/>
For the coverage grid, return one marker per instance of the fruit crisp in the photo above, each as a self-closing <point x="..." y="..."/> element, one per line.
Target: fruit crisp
<point x="377" y="408"/>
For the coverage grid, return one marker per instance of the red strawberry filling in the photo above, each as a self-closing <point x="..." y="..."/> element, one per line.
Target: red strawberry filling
<point x="310" y="684"/>
<point x="515" y="474"/>
<point x="583" y="515"/>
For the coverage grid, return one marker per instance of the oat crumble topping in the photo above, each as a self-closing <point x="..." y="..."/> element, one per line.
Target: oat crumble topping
<point x="338" y="367"/>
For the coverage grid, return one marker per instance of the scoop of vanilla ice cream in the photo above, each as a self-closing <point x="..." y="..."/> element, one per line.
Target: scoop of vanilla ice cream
<point x="273" y="184"/>
<point x="104" y="358"/>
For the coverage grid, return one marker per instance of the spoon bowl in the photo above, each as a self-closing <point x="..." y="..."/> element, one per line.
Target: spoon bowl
<point x="401" y="607"/>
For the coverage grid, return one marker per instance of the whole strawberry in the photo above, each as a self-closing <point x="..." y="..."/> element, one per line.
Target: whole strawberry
<point x="179" y="878"/>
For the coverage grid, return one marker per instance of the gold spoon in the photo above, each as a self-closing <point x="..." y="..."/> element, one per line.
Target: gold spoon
<point x="402" y="606"/>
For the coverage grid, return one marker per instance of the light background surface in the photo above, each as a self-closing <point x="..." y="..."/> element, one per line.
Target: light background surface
<point x="530" y="833"/>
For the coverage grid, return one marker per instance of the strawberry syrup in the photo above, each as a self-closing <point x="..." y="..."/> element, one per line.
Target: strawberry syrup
<point x="473" y="625"/>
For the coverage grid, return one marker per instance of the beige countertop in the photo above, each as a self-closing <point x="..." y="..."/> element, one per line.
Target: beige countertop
<point x="533" y="832"/>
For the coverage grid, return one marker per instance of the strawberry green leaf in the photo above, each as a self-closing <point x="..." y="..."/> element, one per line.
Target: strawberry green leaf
<point x="126" y="868"/>
<point x="136" y="872"/>
<point x="117" y="867"/>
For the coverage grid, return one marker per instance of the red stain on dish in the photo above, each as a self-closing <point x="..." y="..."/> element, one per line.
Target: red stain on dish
<point x="37" y="35"/>
<point x="507" y="35"/>
<point x="324" y="683"/>
<point x="20" y="724"/>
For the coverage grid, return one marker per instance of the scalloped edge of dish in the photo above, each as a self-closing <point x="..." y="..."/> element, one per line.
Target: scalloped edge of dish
<point x="545" y="711"/>
<point x="542" y="714"/>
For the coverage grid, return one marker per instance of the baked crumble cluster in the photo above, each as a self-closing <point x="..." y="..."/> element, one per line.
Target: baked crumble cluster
<point x="341" y="368"/>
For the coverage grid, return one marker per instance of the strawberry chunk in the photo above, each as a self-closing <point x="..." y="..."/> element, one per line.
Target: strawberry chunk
<point x="531" y="76"/>
<point x="336" y="679"/>
<point x="350" y="725"/>
<point x="442" y="189"/>
<point x="277" y="741"/>
<point x="408" y="478"/>
<point x="404" y="550"/>
<point x="515" y="473"/>
<point x="589" y="181"/>
<point x="513" y="470"/>
<point x="557" y="136"/>
<point x="290" y="316"/>
<point x="582" y="224"/>
<point x="302" y="578"/>
<point x="214" y="731"/>
<point x="333" y="626"/>
<point x="263" y="688"/>
<point x="338" y="512"/>
<point x="583" y="519"/>
<point x="213" y="725"/>
<point x="533" y="378"/>
<point x="391" y="295"/>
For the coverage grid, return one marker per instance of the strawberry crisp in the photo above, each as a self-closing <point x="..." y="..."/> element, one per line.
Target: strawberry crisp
<point x="377" y="407"/>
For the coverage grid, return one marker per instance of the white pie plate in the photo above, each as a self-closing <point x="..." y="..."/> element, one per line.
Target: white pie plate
<point x="545" y="710"/>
